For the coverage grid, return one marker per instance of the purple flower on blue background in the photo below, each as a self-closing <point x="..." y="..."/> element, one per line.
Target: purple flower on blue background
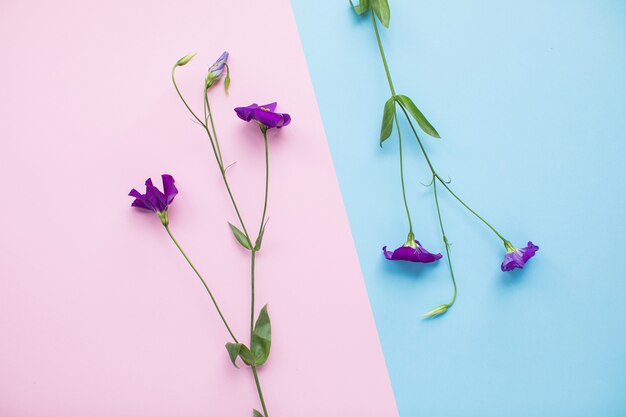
<point x="216" y="70"/>
<point x="412" y="252"/>
<point x="517" y="258"/>
<point x="155" y="200"/>
<point x="264" y="115"/>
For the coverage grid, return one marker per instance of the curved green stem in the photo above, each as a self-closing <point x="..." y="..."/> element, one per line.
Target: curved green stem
<point x="382" y="54"/>
<point x="447" y="245"/>
<point x="169" y="232"/>
<point x="471" y="210"/>
<point x="215" y="148"/>
<point x="438" y="178"/>
<point x="406" y="205"/>
<point x="182" y="98"/>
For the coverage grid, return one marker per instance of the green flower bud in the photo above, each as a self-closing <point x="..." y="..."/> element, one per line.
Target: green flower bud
<point x="185" y="60"/>
<point x="437" y="311"/>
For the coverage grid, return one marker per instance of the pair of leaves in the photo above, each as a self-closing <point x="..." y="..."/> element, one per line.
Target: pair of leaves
<point x="260" y="346"/>
<point x="389" y="115"/>
<point x="379" y="7"/>
<point x="243" y="239"/>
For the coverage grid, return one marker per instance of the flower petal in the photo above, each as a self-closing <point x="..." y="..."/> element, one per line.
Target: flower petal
<point x="169" y="188"/>
<point x="286" y="120"/>
<point x="245" y="113"/>
<point x="267" y="118"/>
<point x="407" y="253"/>
<point x="271" y="106"/>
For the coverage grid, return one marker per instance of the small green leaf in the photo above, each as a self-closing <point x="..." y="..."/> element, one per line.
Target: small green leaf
<point x="261" y="337"/>
<point x="241" y="238"/>
<point x="408" y="104"/>
<point x="227" y="79"/>
<point x="388" y="116"/>
<point x="381" y="8"/>
<point x="362" y="7"/>
<point x="259" y="239"/>
<point x="255" y="413"/>
<point x="233" y="351"/>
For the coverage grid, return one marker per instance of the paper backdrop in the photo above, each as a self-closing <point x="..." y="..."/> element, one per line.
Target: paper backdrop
<point x="99" y="313"/>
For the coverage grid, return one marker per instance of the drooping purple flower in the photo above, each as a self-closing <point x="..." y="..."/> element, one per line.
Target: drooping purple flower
<point x="411" y="251"/>
<point x="264" y="115"/>
<point x="155" y="200"/>
<point x="517" y="258"/>
<point x="216" y="70"/>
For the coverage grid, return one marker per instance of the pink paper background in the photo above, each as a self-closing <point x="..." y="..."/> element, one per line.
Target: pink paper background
<point x="99" y="314"/>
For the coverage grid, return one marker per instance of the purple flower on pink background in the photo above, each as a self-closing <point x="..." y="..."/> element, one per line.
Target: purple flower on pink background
<point x="216" y="70"/>
<point x="517" y="258"/>
<point x="412" y="252"/>
<point x="155" y="200"/>
<point x="264" y="115"/>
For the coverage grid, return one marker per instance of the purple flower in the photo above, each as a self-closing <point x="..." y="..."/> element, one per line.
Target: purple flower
<point x="264" y="115"/>
<point x="517" y="258"/>
<point x="154" y="199"/>
<point x="216" y="70"/>
<point x="411" y="251"/>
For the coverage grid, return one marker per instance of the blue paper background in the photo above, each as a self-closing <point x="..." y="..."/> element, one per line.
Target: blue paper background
<point x="529" y="98"/>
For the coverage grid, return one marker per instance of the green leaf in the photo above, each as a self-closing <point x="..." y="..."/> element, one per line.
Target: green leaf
<point x="233" y="351"/>
<point x="261" y="337"/>
<point x="381" y="8"/>
<point x="362" y="7"/>
<point x="388" y="116"/>
<point x="255" y="413"/>
<point x="246" y="356"/>
<point x="408" y="104"/>
<point x="259" y="239"/>
<point x="241" y="238"/>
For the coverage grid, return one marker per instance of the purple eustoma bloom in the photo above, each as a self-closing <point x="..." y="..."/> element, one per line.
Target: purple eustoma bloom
<point x="264" y="115"/>
<point x="155" y="200"/>
<point x="216" y="70"/>
<point x="412" y="252"/>
<point x="517" y="258"/>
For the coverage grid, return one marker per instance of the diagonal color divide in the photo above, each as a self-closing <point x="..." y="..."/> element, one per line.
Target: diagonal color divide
<point x="529" y="100"/>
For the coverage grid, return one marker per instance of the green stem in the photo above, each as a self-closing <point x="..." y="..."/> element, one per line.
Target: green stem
<point x="444" y="183"/>
<point x="217" y="143"/>
<point x="252" y="258"/>
<point x="258" y="388"/>
<point x="252" y="267"/>
<point x="447" y="245"/>
<point x="203" y="283"/>
<point x="182" y="98"/>
<point x="406" y="205"/>
<point x="382" y="54"/>
<point x="267" y="179"/>
<point x="215" y="148"/>
<point x="470" y="209"/>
